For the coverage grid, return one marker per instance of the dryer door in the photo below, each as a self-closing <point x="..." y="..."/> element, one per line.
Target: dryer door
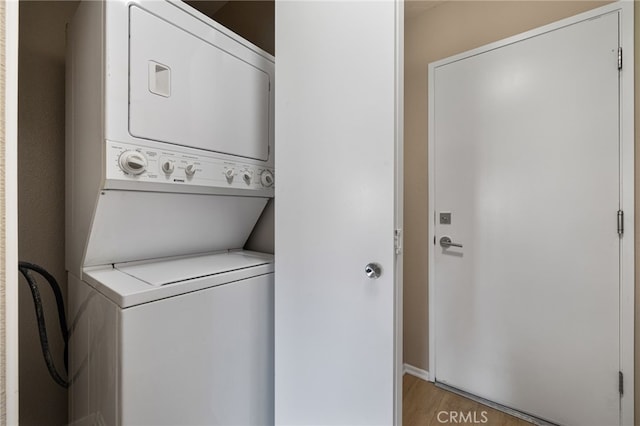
<point x="186" y="90"/>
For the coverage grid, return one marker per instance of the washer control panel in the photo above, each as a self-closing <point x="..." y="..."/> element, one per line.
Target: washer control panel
<point x="144" y="164"/>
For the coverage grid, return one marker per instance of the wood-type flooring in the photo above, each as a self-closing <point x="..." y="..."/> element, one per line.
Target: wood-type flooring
<point x="424" y="404"/>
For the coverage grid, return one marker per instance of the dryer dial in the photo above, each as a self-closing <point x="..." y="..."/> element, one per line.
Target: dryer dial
<point x="190" y="170"/>
<point x="168" y="167"/>
<point x="229" y="175"/>
<point x="132" y="162"/>
<point x="266" y="178"/>
<point x="246" y="176"/>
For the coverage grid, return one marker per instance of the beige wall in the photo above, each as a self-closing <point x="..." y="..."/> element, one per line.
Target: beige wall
<point x="253" y="20"/>
<point x="41" y="196"/>
<point x="434" y="31"/>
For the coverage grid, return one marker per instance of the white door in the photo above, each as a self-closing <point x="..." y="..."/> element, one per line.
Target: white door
<point x="338" y="123"/>
<point x="526" y="151"/>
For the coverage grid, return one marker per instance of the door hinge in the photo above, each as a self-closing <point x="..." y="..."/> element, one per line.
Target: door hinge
<point x="619" y="58"/>
<point x="397" y="240"/>
<point x="620" y="383"/>
<point x="620" y="222"/>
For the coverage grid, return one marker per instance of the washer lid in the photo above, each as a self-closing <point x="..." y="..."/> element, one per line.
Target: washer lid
<point x="167" y="271"/>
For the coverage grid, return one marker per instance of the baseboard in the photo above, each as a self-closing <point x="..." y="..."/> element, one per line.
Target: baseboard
<point x="417" y="372"/>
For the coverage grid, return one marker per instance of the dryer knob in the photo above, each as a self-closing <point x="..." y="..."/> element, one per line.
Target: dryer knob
<point x="266" y="178"/>
<point x="167" y="167"/>
<point x="190" y="170"/>
<point x="133" y="162"/>
<point x="246" y="176"/>
<point x="229" y="175"/>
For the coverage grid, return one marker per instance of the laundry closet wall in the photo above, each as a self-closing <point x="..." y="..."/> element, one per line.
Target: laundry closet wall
<point x="435" y="30"/>
<point x="41" y="142"/>
<point x="41" y="197"/>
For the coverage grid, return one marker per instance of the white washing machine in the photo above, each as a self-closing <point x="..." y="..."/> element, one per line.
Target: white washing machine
<point x="182" y="341"/>
<point x="169" y="168"/>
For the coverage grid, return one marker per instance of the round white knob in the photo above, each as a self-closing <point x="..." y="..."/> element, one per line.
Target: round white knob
<point x="266" y="178"/>
<point x="167" y="167"/>
<point x="133" y="162"/>
<point x="229" y="175"/>
<point x="190" y="170"/>
<point x="246" y="176"/>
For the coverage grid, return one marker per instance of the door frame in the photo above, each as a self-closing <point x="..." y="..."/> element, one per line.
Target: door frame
<point x="627" y="172"/>
<point x="9" y="278"/>
<point x="399" y="212"/>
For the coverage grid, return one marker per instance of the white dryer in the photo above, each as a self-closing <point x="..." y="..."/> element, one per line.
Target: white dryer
<point x="169" y="167"/>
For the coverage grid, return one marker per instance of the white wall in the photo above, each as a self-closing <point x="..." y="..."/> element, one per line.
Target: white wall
<point x="9" y="407"/>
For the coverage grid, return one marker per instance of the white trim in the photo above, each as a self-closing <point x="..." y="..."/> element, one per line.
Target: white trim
<point x="399" y="208"/>
<point x="431" y="221"/>
<point x="627" y="289"/>
<point x="11" y="212"/>
<point x="416" y="372"/>
<point x="627" y="197"/>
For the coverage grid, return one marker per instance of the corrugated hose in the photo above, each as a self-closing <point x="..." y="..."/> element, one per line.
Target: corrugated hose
<point x="25" y="268"/>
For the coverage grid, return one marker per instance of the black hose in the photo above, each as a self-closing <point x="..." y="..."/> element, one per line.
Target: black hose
<point x="25" y="268"/>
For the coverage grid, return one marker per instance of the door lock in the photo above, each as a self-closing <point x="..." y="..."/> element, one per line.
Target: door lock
<point x="445" y="218"/>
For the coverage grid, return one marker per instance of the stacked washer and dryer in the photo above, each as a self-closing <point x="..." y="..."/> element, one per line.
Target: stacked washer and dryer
<point x="169" y="167"/>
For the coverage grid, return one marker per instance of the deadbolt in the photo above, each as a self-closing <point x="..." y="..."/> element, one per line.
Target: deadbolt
<point x="445" y="218"/>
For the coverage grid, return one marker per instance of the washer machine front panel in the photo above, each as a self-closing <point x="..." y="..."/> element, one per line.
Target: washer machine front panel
<point x="204" y="357"/>
<point x="201" y="357"/>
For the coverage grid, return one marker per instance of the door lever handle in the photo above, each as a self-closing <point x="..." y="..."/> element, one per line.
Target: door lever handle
<point x="445" y="242"/>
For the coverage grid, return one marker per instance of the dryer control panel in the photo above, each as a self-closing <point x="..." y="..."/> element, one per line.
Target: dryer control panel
<point x="135" y="163"/>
